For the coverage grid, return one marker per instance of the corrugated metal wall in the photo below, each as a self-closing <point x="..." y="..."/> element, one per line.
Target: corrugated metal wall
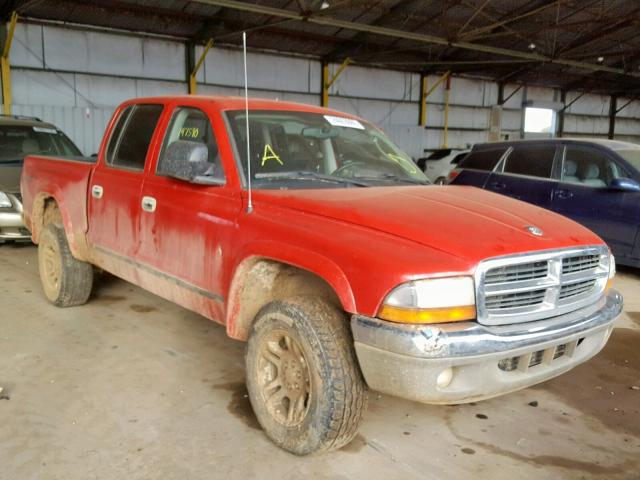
<point x="75" y="78"/>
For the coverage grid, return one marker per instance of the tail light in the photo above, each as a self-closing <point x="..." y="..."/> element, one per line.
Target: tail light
<point x="453" y="174"/>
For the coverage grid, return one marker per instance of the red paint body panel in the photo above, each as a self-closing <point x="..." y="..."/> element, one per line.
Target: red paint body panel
<point x="361" y="241"/>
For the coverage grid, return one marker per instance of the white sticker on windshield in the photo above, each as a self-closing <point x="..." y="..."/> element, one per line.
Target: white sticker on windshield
<point x="343" y="122"/>
<point x="52" y="131"/>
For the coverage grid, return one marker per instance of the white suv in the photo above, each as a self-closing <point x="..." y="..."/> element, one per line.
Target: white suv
<point x="440" y="162"/>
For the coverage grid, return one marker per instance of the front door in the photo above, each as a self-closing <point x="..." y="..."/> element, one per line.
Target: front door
<point x="185" y="225"/>
<point x="114" y="188"/>
<point x="583" y="194"/>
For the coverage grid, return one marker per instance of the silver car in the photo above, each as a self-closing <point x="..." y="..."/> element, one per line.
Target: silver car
<point x="19" y="137"/>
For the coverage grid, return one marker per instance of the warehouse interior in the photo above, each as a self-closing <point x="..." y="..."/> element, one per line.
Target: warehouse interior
<point x="134" y="386"/>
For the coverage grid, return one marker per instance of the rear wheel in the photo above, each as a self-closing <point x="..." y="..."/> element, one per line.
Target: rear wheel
<point x="66" y="281"/>
<point x="303" y="379"/>
<point x="440" y="181"/>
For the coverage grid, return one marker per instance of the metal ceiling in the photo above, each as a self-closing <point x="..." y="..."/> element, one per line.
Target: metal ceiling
<point x="588" y="45"/>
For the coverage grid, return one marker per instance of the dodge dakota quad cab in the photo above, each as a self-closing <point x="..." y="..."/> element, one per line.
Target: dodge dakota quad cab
<point x="341" y="267"/>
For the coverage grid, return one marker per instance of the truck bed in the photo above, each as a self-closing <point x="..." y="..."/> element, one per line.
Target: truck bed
<point x="64" y="179"/>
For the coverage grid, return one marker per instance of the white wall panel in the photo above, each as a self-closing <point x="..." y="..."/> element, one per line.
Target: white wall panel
<point x="163" y="59"/>
<point x="225" y="67"/>
<point x="155" y="88"/>
<point x="42" y="88"/>
<point x="26" y="49"/>
<point x="588" y="104"/>
<point x="103" y="91"/>
<point x="372" y="83"/>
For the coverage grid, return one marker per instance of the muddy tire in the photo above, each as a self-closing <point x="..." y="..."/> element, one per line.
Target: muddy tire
<point x="66" y="281"/>
<point x="304" y="382"/>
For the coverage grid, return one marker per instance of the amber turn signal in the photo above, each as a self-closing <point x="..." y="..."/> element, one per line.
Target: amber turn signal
<point x="427" y="315"/>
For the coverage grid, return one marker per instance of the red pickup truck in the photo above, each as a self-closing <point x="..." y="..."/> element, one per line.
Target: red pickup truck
<point x="345" y="269"/>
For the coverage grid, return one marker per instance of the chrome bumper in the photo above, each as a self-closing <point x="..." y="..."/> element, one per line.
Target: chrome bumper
<point x="464" y="362"/>
<point x="11" y="224"/>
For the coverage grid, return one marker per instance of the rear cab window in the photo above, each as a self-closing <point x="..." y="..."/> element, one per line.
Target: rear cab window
<point x="531" y="160"/>
<point x="131" y="136"/>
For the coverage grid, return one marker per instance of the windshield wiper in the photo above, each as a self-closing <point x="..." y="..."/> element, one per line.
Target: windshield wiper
<point x="309" y="175"/>
<point x="395" y="178"/>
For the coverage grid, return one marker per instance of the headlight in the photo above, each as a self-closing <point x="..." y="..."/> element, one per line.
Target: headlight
<point x="612" y="271"/>
<point x="437" y="300"/>
<point x="4" y="201"/>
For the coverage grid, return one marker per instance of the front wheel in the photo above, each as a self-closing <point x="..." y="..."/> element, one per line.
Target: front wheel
<point x="66" y="281"/>
<point x="303" y="379"/>
<point x="441" y="181"/>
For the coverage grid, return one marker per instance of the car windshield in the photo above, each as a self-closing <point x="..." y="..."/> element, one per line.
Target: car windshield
<point x="310" y="150"/>
<point x="632" y="156"/>
<point x="18" y="141"/>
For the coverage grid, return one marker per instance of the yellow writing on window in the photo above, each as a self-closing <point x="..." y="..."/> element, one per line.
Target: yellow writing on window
<point x="189" y="132"/>
<point x="403" y="162"/>
<point x="269" y="154"/>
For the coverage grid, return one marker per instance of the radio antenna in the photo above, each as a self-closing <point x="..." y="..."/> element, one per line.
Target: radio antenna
<point x="246" y="118"/>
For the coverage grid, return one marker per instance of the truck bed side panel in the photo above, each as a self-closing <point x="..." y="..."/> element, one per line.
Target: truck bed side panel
<point x="64" y="180"/>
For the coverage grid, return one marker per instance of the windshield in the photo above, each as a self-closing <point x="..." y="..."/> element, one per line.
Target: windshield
<point x="311" y="150"/>
<point x="632" y="156"/>
<point x="16" y="142"/>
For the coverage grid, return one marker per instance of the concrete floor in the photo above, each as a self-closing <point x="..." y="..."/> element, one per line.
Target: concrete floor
<point x="130" y="386"/>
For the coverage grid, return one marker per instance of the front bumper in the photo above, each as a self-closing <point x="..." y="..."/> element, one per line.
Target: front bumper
<point x="11" y="225"/>
<point x="465" y="362"/>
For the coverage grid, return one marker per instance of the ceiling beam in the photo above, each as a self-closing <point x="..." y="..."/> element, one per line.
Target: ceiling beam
<point x="416" y="37"/>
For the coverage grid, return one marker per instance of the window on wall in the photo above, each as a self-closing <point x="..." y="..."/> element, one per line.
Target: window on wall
<point x="539" y="120"/>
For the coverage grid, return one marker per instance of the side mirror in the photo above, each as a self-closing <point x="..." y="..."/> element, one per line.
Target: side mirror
<point x="624" y="184"/>
<point x="186" y="160"/>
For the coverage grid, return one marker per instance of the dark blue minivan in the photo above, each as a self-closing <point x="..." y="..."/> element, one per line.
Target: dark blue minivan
<point x="594" y="182"/>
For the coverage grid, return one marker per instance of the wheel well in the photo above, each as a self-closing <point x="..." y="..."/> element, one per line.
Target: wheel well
<point x="45" y="211"/>
<point x="261" y="281"/>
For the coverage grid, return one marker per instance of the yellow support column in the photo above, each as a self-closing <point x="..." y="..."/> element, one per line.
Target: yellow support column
<point x="327" y="82"/>
<point x="193" y="85"/>
<point x="5" y="67"/>
<point x="446" y="112"/>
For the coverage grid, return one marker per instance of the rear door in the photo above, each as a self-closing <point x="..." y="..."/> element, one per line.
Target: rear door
<point x="526" y="174"/>
<point x="583" y="194"/>
<point x="114" y="188"/>
<point x="477" y="166"/>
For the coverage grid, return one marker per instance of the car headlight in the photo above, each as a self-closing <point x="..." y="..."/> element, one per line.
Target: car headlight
<point x="4" y="201"/>
<point x="437" y="300"/>
<point x="612" y="271"/>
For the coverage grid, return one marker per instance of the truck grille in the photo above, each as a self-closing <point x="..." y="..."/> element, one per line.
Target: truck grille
<point x="542" y="285"/>
<point x="579" y="263"/>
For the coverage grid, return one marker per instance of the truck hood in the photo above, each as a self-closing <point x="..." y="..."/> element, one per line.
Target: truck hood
<point x="10" y="176"/>
<point x="463" y="221"/>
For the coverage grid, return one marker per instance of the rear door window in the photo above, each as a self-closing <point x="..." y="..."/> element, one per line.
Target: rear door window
<point x="589" y="167"/>
<point x="483" y="159"/>
<point x="131" y="136"/>
<point x="533" y="161"/>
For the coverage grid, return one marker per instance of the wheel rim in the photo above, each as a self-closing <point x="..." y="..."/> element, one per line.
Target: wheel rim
<point x="52" y="266"/>
<point x="284" y="379"/>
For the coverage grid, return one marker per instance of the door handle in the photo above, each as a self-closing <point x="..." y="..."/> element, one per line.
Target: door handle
<point x="564" y="194"/>
<point x="497" y="185"/>
<point x="97" y="191"/>
<point x="149" y="204"/>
